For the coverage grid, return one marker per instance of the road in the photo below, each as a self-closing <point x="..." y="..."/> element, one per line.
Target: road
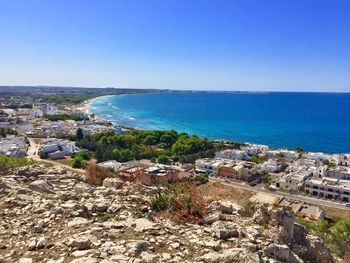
<point x="301" y="198"/>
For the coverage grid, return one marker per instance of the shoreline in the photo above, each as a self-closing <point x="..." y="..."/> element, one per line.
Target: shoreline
<point x="87" y="105"/>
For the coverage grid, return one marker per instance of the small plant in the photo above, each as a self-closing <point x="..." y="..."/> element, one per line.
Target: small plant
<point x="248" y="208"/>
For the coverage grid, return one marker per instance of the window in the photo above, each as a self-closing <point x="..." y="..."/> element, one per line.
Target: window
<point x="330" y="190"/>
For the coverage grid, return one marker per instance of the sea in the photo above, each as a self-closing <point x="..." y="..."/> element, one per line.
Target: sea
<point x="318" y="122"/>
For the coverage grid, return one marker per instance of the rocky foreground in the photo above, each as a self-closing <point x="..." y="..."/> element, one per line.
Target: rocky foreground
<point x="51" y="215"/>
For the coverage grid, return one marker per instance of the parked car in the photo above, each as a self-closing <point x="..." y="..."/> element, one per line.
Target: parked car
<point x="347" y="205"/>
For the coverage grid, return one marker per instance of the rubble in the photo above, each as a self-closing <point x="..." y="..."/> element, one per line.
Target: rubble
<point x="52" y="215"/>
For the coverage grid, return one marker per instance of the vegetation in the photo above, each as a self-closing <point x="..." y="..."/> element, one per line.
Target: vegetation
<point x="13" y="162"/>
<point x="96" y="174"/>
<point x="80" y="159"/>
<point x="248" y="208"/>
<point x="2" y="112"/>
<point x="140" y="144"/>
<point x="258" y="159"/>
<point x="7" y="131"/>
<point x="266" y="179"/>
<point x="183" y="202"/>
<point x="79" y="134"/>
<point x="280" y="155"/>
<point x="69" y="99"/>
<point x="336" y="235"/>
<point x="63" y="117"/>
<point x="163" y="159"/>
<point x="298" y="149"/>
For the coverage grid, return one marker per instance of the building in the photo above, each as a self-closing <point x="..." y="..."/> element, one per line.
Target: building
<point x="111" y="165"/>
<point x="208" y="166"/>
<point x="293" y="181"/>
<point x="342" y="159"/>
<point x="339" y="172"/>
<point x="56" y="155"/>
<point x="239" y="170"/>
<point x="253" y="149"/>
<point x="13" y="146"/>
<point x="271" y="165"/>
<point x="303" y="210"/>
<point x="328" y="188"/>
<point x="232" y="154"/>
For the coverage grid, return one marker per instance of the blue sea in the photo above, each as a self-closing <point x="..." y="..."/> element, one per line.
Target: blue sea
<point x="315" y="121"/>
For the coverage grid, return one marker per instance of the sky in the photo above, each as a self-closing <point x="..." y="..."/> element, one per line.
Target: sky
<point x="252" y="45"/>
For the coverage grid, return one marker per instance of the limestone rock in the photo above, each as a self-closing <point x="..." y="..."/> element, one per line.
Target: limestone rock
<point x="41" y="186"/>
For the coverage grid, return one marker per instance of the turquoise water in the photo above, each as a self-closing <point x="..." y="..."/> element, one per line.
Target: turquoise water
<point x="315" y="121"/>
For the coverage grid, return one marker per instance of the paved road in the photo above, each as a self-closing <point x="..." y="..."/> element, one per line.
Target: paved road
<point x="301" y="198"/>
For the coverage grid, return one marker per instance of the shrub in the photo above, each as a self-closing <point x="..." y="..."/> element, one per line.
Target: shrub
<point x="78" y="162"/>
<point x="183" y="201"/>
<point x="340" y="234"/>
<point x="248" y="208"/>
<point x="163" y="159"/>
<point x="95" y="174"/>
<point x="13" y="162"/>
<point x="161" y="201"/>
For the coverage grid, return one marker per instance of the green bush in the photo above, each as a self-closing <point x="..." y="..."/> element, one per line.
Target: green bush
<point x="13" y="162"/>
<point x="161" y="201"/>
<point x="78" y="162"/>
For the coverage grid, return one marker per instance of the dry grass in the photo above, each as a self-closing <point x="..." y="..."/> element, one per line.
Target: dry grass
<point x="217" y="191"/>
<point x="95" y="174"/>
<point x="336" y="214"/>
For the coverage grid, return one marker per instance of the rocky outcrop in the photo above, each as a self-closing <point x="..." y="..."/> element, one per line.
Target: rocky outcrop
<point x="51" y="215"/>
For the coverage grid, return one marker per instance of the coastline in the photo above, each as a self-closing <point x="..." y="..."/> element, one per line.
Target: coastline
<point x="87" y="106"/>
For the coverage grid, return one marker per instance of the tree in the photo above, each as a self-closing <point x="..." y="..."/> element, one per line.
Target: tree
<point x="79" y="134"/>
<point x="163" y="159"/>
<point x="298" y="149"/>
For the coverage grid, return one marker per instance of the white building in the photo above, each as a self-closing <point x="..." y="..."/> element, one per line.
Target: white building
<point x="328" y="188"/>
<point x="293" y="181"/>
<point x="111" y="164"/>
<point x="231" y="154"/>
<point x="271" y="165"/>
<point x="342" y="159"/>
<point x="253" y="149"/>
<point x="13" y="146"/>
<point x="208" y="166"/>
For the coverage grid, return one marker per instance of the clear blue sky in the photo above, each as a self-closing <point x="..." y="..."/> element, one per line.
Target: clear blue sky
<point x="301" y="45"/>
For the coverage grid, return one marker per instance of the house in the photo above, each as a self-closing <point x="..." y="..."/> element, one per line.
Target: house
<point x="232" y="154"/>
<point x="342" y="159"/>
<point x="328" y="188"/>
<point x="271" y="165"/>
<point x="207" y="165"/>
<point x="239" y="170"/>
<point x="309" y="212"/>
<point x="339" y="172"/>
<point x="253" y="149"/>
<point x="286" y="154"/>
<point x="56" y="155"/>
<point x="13" y="146"/>
<point x="111" y="165"/>
<point x="293" y="181"/>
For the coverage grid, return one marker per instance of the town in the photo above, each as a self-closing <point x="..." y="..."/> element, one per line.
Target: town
<point x="43" y="131"/>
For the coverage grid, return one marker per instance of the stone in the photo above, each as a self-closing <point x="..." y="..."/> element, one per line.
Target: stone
<point x="317" y="250"/>
<point x="84" y="260"/>
<point x="228" y="207"/>
<point x="231" y="255"/>
<point x="41" y="186"/>
<point x="113" y="182"/>
<point x="211" y="218"/>
<point x="225" y="230"/>
<point x="4" y="185"/>
<point x="78" y="222"/>
<point x="282" y="253"/>
<point x="80" y="243"/>
<point x="137" y="247"/>
<point x="25" y="260"/>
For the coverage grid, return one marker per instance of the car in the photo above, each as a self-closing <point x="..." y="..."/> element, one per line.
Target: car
<point x="227" y="181"/>
<point x="347" y="205"/>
